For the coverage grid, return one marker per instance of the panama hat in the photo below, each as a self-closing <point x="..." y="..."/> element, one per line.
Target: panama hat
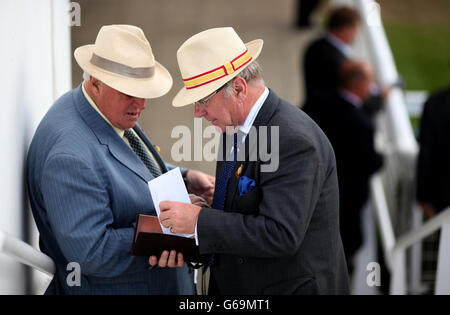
<point x="123" y="59"/>
<point x="210" y="59"/>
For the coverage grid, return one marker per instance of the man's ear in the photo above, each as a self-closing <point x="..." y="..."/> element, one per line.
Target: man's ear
<point x="239" y="87"/>
<point x="95" y="84"/>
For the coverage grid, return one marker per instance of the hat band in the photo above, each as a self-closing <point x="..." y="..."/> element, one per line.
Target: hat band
<point x="118" y="68"/>
<point x="219" y="72"/>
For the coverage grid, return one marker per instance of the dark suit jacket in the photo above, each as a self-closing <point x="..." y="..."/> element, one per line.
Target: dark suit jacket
<point x="433" y="168"/>
<point x="86" y="187"/>
<point x="282" y="237"/>
<point x="321" y="65"/>
<point x="351" y="133"/>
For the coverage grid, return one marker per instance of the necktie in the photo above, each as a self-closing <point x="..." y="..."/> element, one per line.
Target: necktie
<point x="142" y="153"/>
<point x="222" y="183"/>
<point x="220" y="191"/>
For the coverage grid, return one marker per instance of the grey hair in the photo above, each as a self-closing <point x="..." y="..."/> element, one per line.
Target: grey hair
<point x="86" y="76"/>
<point x="252" y="73"/>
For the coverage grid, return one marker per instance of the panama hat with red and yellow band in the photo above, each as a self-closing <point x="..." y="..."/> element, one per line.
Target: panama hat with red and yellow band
<point x="210" y="59"/>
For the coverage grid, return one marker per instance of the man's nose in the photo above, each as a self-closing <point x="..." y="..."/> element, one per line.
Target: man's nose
<point x="199" y="111"/>
<point x="140" y="102"/>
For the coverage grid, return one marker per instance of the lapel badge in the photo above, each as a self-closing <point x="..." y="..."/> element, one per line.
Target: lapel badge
<point x="239" y="171"/>
<point x="157" y="148"/>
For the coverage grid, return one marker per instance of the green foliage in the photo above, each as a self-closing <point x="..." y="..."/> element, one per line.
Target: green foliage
<point x="422" y="53"/>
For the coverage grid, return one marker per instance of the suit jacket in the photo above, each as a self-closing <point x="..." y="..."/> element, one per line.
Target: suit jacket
<point x="321" y="65"/>
<point x="351" y="134"/>
<point x="433" y="167"/>
<point x="86" y="187"/>
<point x="282" y="237"/>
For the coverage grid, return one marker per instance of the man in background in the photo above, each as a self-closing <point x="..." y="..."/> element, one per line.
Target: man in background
<point x="433" y="167"/>
<point x="351" y="133"/>
<point x="324" y="57"/>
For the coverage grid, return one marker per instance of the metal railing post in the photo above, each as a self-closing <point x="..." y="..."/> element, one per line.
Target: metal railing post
<point x="443" y="268"/>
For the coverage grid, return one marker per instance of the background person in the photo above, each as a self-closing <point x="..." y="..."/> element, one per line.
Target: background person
<point x="433" y="166"/>
<point x="351" y="133"/>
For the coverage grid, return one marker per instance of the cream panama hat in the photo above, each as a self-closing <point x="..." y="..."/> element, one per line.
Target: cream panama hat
<point x="123" y="59"/>
<point x="210" y="59"/>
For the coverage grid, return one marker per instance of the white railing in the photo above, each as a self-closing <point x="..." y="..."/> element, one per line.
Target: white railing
<point x="26" y="254"/>
<point x="398" y="254"/>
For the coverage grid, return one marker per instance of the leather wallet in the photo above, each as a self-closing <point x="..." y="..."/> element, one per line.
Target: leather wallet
<point x="149" y="240"/>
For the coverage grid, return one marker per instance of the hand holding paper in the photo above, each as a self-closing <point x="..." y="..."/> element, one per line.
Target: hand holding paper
<point x="169" y="187"/>
<point x="180" y="216"/>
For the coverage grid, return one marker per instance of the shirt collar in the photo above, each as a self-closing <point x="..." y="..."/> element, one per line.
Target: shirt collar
<point x="248" y="123"/>
<point x="120" y="132"/>
<point x="351" y="98"/>
<point x="340" y="45"/>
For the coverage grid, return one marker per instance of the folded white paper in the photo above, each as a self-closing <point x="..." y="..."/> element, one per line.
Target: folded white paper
<point x="169" y="187"/>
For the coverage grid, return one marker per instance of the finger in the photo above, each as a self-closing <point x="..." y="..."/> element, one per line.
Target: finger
<point x="165" y="205"/>
<point x="165" y="223"/>
<point x="163" y="216"/>
<point x="180" y="260"/>
<point x="208" y="193"/>
<point x="171" y="263"/>
<point x="153" y="260"/>
<point x="163" y="259"/>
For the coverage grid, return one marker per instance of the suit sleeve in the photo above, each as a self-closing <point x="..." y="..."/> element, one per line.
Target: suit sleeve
<point x="78" y="206"/>
<point x="290" y="195"/>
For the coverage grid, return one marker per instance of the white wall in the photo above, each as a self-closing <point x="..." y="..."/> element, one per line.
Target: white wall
<point x="34" y="71"/>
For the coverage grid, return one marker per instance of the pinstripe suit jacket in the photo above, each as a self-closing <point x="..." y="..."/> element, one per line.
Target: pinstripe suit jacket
<point x="86" y="187"/>
<point x="283" y="236"/>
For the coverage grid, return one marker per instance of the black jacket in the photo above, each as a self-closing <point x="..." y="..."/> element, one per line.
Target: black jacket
<point x="351" y="134"/>
<point x="433" y="171"/>
<point x="321" y="64"/>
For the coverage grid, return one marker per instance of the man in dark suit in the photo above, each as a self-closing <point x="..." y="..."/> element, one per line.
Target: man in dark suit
<point x="433" y="167"/>
<point x="351" y="134"/>
<point x="273" y="227"/>
<point x="88" y="167"/>
<point x="325" y="55"/>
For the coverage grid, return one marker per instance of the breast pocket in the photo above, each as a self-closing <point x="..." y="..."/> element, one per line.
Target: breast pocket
<point x="248" y="203"/>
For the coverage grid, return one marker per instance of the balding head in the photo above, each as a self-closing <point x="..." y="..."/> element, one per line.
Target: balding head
<point x="356" y="77"/>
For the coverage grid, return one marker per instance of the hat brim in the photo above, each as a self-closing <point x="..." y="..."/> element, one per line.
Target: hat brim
<point x="158" y="85"/>
<point x="189" y="96"/>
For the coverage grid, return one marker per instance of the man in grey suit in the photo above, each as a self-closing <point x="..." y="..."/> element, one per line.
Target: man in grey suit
<point x="87" y="172"/>
<point x="273" y="227"/>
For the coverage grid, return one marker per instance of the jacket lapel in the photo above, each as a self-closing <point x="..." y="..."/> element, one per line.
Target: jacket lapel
<point x="262" y="119"/>
<point x="107" y="136"/>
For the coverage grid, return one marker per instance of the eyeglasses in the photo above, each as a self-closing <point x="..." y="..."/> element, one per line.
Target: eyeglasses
<point x="205" y="101"/>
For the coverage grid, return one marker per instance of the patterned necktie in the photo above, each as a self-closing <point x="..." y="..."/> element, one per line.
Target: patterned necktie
<point x="142" y="153"/>
<point x="220" y="191"/>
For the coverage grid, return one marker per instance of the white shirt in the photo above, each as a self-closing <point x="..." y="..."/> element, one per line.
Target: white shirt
<point x="351" y="98"/>
<point x="340" y="45"/>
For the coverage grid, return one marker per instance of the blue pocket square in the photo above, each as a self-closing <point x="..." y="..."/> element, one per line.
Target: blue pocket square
<point x="246" y="185"/>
